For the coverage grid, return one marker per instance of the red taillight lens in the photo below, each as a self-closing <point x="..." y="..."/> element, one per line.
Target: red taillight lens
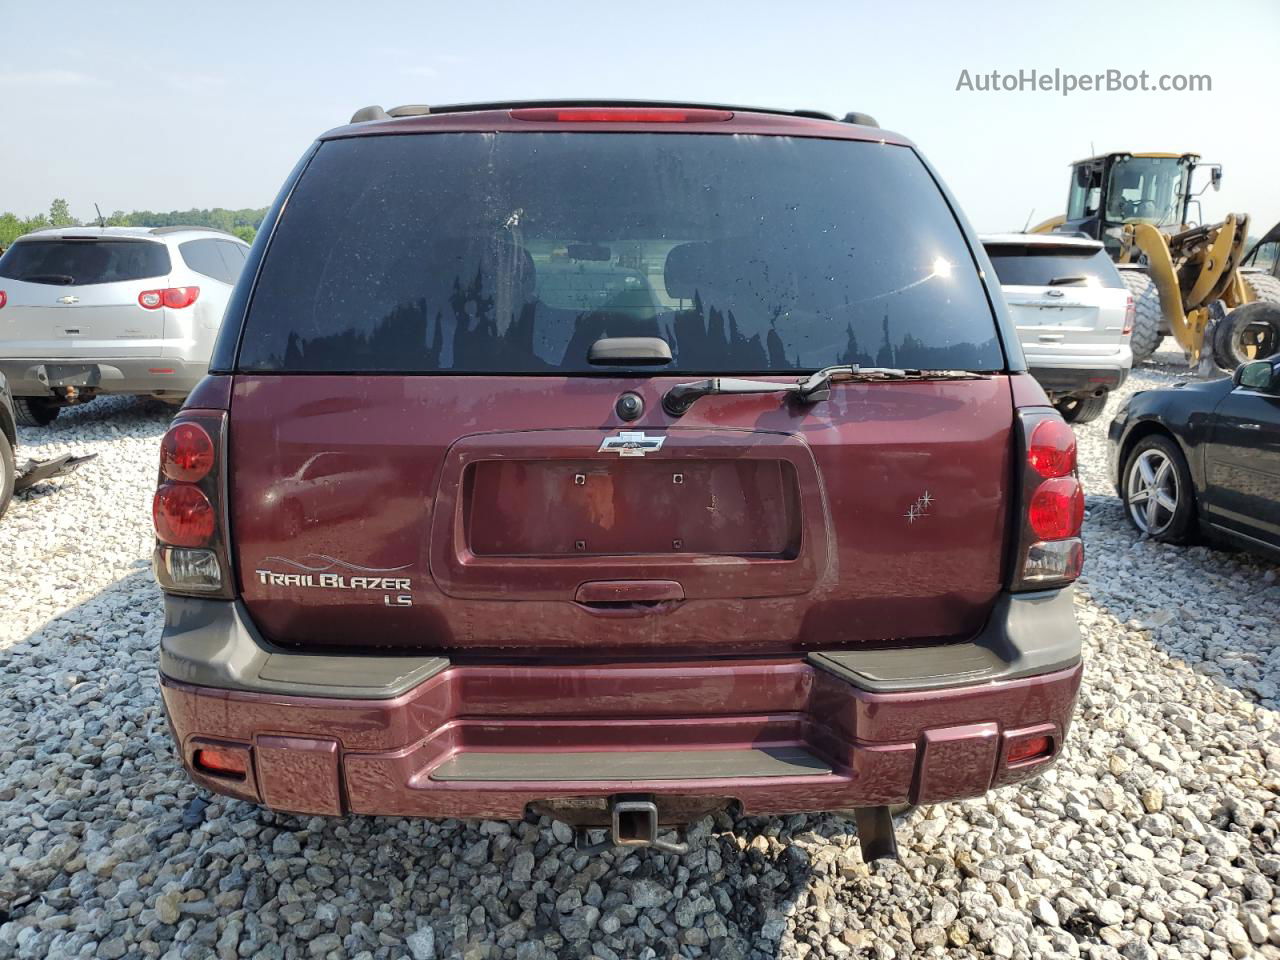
<point x="1130" y="314"/>
<point x="183" y="515"/>
<point x="1052" y="450"/>
<point x="621" y="114"/>
<point x="4" y="298"/>
<point x="1032" y="748"/>
<point x="175" y="298"/>
<point x="1057" y="509"/>
<point x="186" y="453"/>
<point x="223" y="763"/>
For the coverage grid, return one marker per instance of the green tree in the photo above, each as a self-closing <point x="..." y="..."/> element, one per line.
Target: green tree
<point x="60" y="214"/>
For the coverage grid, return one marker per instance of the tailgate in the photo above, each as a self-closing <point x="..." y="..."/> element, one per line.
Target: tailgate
<point x="1067" y="320"/>
<point x="433" y="513"/>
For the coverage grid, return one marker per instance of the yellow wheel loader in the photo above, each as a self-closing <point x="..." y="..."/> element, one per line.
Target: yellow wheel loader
<point x="1185" y="280"/>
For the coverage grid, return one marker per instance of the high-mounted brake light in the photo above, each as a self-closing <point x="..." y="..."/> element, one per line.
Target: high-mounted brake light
<point x="1130" y="314"/>
<point x="175" y="298"/>
<point x="621" y="114"/>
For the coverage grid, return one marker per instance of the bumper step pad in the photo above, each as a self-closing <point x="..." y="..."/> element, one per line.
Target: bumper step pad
<point x="604" y="765"/>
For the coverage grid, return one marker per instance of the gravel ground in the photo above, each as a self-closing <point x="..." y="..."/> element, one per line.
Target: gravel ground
<point x="1157" y="835"/>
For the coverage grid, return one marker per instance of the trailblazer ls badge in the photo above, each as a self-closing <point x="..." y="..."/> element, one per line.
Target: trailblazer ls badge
<point x="318" y="574"/>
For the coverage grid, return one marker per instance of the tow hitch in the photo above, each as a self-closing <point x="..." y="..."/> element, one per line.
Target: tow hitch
<point x="633" y="823"/>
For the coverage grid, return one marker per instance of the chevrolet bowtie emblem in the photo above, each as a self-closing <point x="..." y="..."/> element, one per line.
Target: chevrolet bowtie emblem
<point x="629" y="443"/>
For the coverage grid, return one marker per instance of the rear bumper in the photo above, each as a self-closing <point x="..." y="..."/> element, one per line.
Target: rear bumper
<point x="426" y="737"/>
<point x="1081" y="376"/>
<point x="36" y="378"/>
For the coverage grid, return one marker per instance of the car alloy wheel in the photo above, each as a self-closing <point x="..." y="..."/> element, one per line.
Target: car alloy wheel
<point x="1152" y="491"/>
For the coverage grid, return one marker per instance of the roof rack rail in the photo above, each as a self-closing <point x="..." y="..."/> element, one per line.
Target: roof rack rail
<point x="180" y="227"/>
<point x="861" y="119"/>
<point x="365" y="114"/>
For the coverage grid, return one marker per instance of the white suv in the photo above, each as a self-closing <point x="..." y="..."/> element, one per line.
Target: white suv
<point x="1073" y="313"/>
<point x="96" y="310"/>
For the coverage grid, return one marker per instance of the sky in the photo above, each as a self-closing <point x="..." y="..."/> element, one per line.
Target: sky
<point x="171" y="105"/>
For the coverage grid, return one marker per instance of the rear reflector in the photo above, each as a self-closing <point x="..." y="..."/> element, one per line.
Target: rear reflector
<point x="221" y="763"/>
<point x="1032" y="748"/>
<point x="183" y="515"/>
<point x="621" y="115"/>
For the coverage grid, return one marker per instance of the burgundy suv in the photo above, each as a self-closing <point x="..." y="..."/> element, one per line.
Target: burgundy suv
<point x="619" y="462"/>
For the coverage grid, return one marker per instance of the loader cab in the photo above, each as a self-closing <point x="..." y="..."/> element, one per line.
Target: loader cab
<point x="1115" y="189"/>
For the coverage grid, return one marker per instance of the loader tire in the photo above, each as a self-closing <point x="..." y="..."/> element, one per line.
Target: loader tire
<point x="1147" y="315"/>
<point x="1250" y="332"/>
<point x="1263" y="286"/>
<point x="35" y="411"/>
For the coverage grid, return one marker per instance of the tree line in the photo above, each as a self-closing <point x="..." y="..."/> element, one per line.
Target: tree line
<point x="242" y="223"/>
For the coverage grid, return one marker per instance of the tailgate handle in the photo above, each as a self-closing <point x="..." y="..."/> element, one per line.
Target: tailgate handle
<point x="629" y="591"/>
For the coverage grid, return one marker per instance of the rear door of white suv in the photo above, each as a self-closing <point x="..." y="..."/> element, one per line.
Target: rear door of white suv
<point x="1065" y="296"/>
<point x="76" y="297"/>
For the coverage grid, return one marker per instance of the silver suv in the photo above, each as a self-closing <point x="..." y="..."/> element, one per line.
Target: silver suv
<point x="96" y="310"/>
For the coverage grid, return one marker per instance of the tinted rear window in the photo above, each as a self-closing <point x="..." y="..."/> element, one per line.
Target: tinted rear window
<point x="1033" y="266"/>
<point x="82" y="262"/>
<point x="514" y="252"/>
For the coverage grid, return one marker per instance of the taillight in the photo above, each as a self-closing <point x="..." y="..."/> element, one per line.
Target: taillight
<point x="183" y="515"/>
<point x="1057" y="509"/>
<point x="1050" y="552"/>
<point x="175" y="298"/>
<point x="186" y="453"/>
<point x="191" y="555"/>
<point x="621" y="114"/>
<point x="1130" y="314"/>
<point x="1052" y="449"/>
<point x="4" y="298"/>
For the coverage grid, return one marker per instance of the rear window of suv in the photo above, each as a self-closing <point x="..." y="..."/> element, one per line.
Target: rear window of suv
<point x="1034" y="265"/>
<point x="84" y="262"/>
<point x="513" y="253"/>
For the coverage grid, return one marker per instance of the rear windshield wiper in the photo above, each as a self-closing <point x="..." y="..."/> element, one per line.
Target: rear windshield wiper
<point x="810" y="389"/>
<point x="1065" y="281"/>
<point x="59" y="278"/>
